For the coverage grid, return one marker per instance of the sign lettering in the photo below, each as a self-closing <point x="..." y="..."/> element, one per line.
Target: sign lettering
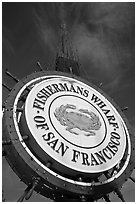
<point x="75" y="125"/>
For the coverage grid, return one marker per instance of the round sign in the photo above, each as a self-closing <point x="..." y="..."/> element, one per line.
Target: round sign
<point x="67" y="136"/>
<point x="74" y="125"/>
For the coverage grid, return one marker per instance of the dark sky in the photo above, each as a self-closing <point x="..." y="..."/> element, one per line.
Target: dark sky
<point x="103" y="35"/>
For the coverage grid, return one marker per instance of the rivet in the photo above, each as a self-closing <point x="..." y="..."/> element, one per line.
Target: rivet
<point x="48" y="164"/>
<point x="80" y="179"/>
<point x="25" y="137"/>
<point x="83" y="198"/>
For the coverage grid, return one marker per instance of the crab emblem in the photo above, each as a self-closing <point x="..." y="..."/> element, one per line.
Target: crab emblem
<point x="82" y="119"/>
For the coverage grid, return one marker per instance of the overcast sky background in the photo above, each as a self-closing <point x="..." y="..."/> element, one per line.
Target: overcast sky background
<point x="102" y="33"/>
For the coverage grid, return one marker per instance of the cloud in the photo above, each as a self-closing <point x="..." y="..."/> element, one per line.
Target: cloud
<point x="103" y="34"/>
<point x="7" y="42"/>
<point x="45" y="29"/>
<point x="45" y="34"/>
<point x="104" y="38"/>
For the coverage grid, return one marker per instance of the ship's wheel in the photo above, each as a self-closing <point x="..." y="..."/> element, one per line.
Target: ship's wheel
<point x="38" y="147"/>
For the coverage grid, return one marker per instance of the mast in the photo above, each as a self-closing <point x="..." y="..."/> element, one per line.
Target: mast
<point x="66" y="60"/>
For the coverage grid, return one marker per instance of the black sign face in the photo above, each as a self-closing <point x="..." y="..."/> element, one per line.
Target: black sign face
<point x="75" y="132"/>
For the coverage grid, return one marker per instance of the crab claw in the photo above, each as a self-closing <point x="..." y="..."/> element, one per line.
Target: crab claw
<point x="83" y="110"/>
<point x="90" y="134"/>
<point x="70" y="106"/>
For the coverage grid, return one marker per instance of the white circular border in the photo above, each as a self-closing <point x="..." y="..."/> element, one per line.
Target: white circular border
<point x="15" y="119"/>
<point x="76" y="166"/>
